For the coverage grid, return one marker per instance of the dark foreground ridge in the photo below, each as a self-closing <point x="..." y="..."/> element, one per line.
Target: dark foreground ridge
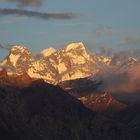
<point x="41" y="111"/>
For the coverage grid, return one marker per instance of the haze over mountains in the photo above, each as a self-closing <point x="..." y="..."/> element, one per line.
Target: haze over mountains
<point x="68" y="94"/>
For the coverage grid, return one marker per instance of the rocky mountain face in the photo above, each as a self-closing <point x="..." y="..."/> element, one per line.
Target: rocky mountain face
<point x="22" y="80"/>
<point x="18" y="61"/>
<point x="102" y="102"/>
<point x="89" y="93"/>
<point x="71" y="62"/>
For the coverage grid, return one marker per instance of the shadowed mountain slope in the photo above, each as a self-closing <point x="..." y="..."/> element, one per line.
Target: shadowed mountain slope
<point x="41" y="111"/>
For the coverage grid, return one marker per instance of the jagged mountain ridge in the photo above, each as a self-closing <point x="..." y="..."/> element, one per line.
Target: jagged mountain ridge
<point x="89" y="93"/>
<point x="70" y="62"/>
<point x="102" y="102"/>
<point x="22" y="80"/>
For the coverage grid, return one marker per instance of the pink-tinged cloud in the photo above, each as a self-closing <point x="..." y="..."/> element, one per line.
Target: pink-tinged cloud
<point x="121" y="80"/>
<point x="27" y="2"/>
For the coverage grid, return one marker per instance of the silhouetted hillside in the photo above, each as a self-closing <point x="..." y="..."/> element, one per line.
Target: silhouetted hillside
<point x="45" y="112"/>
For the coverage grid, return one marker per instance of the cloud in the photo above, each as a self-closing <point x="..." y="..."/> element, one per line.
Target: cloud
<point x="2" y="47"/>
<point x="118" y="80"/>
<point x="27" y="2"/>
<point x="101" y="30"/>
<point x="121" y="57"/>
<point x="127" y="82"/>
<point x="14" y="20"/>
<point x="106" y="51"/>
<point x="136" y="52"/>
<point x="5" y="47"/>
<point x="129" y="40"/>
<point x="35" y="14"/>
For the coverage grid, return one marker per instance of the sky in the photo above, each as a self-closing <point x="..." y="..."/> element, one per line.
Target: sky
<point x="99" y="24"/>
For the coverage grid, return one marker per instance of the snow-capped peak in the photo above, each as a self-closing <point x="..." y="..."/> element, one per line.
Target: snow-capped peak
<point x="106" y="60"/>
<point x="70" y="62"/>
<point x="17" y="61"/>
<point x="15" y="53"/>
<point x="74" y="46"/>
<point x="132" y="59"/>
<point x="47" y="52"/>
<point x="18" y="48"/>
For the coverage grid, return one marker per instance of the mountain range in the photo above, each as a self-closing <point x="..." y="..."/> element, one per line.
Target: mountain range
<point x="70" y="67"/>
<point x="70" y="62"/>
<point x="67" y="94"/>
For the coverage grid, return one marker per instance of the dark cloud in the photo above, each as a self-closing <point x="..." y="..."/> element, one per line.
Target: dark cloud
<point x="27" y="2"/>
<point x="35" y="14"/>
